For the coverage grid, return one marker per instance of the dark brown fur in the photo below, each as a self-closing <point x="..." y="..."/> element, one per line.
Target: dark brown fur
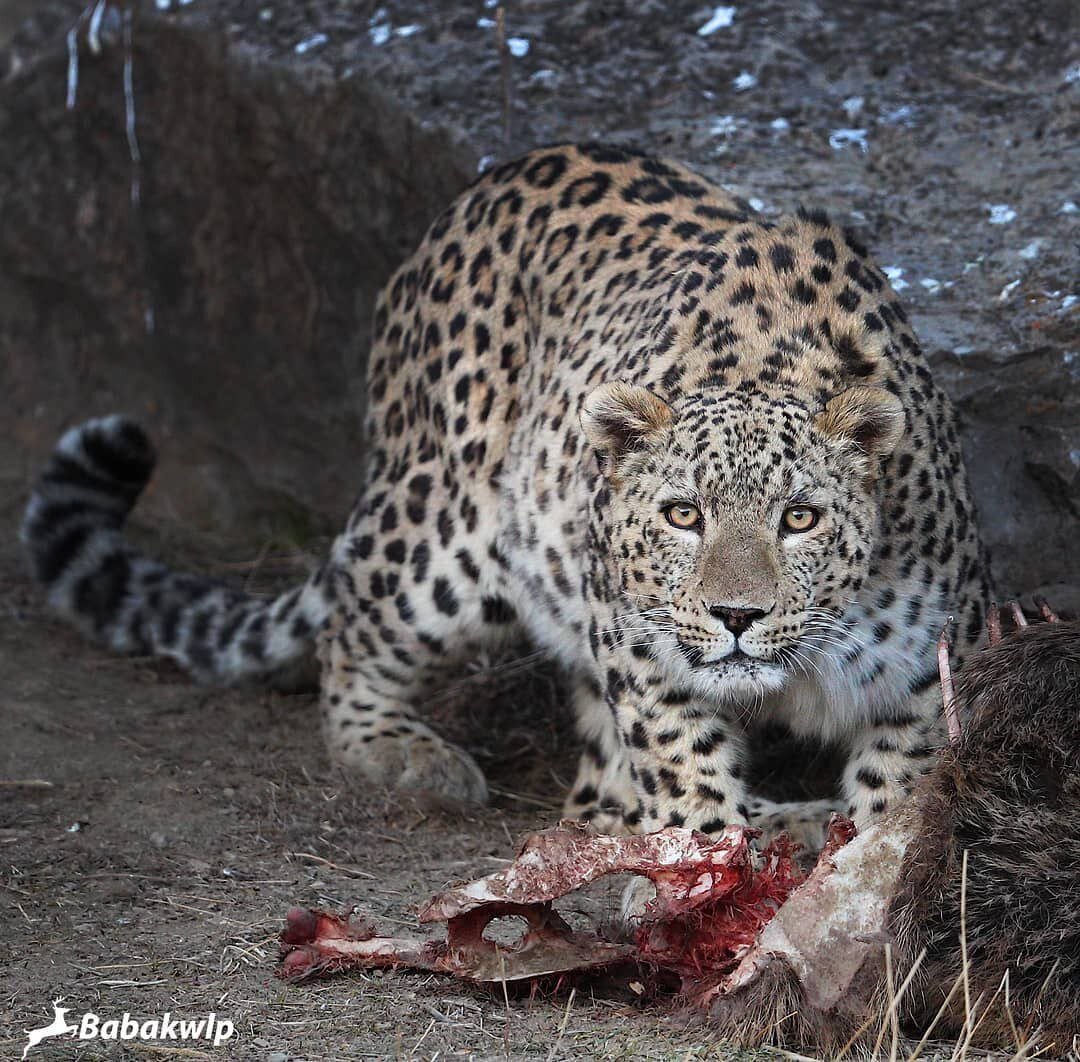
<point x="1008" y="794"/>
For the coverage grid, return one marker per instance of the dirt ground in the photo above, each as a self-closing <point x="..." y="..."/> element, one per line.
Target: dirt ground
<point x="153" y="833"/>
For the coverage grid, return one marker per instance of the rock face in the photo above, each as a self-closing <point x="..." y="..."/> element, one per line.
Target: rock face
<point x="229" y="307"/>
<point x="291" y="155"/>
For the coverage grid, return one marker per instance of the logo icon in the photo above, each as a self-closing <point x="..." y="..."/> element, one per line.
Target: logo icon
<point x="210" y="1028"/>
<point x="57" y="1027"/>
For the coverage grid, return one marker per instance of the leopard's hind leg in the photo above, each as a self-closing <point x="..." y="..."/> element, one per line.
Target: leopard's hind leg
<point x="410" y="605"/>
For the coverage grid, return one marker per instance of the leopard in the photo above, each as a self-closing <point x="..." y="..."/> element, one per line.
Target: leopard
<point x="692" y="453"/>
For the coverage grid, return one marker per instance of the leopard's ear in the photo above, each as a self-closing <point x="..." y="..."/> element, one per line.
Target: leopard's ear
<point x="620" y="418"/>
<point x="870" y="417"/>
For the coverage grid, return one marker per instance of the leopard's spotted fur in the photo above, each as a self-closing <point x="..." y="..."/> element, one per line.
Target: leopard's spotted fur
<point x="585" y="337"/>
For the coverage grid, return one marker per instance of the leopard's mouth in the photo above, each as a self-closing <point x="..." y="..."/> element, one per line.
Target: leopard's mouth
<point x="696" y="657"/>
<point x="736" y="677"/>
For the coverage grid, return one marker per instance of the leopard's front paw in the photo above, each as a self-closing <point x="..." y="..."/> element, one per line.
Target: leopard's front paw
<point x="806" y="822"/>
<point x="602" y="815"/>
<point x="412" y="756"/>
<point x="603" y="798"/>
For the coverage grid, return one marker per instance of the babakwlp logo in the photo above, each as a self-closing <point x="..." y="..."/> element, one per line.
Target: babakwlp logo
<point x="211" y="1029"/>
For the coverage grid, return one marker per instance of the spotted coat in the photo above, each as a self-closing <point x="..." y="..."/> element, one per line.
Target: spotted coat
<point x="696" y="456"/>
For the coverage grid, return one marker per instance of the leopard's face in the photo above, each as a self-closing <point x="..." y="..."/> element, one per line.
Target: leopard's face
<point x="741" y="529"/>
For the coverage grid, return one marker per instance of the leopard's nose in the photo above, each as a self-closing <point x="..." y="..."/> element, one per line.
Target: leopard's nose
<point x="737" y="620"/>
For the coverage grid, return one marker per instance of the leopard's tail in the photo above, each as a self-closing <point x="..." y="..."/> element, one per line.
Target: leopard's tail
<point x="72" y="532"/>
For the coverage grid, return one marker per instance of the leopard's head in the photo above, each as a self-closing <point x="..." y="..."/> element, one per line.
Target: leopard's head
<point x="741" y="524"/>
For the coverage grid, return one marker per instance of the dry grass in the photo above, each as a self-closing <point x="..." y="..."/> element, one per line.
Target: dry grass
<point x="883" y="1026"/>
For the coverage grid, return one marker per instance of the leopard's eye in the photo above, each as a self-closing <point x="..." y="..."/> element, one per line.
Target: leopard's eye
<point x="799" y="518"/>
<point x="684" y="516"/>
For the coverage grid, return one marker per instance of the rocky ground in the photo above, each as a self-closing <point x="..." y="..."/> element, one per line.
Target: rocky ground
<point x="289" y="154"/>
